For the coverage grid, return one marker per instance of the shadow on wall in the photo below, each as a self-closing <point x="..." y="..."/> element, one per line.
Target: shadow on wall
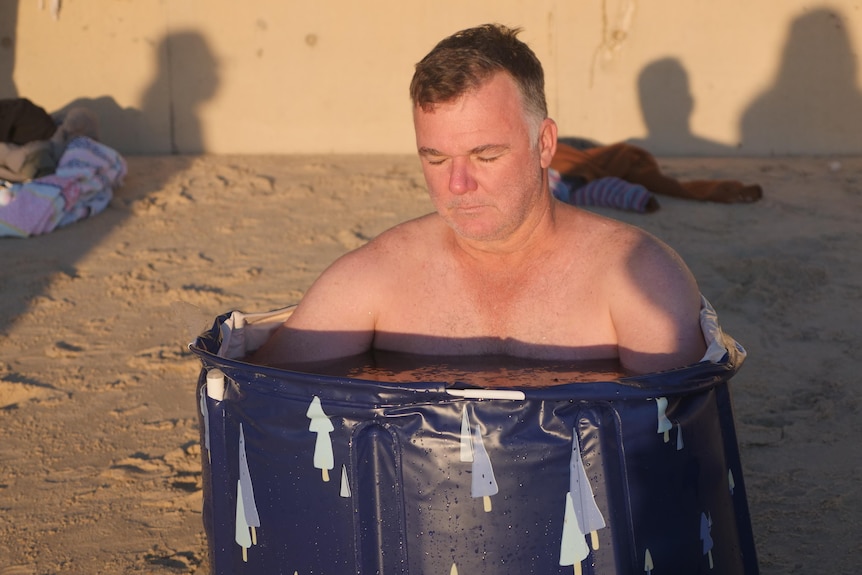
<point x="38" y="262"/>
<point x="667" y="105"/>
<point x="8" y="24"/>
<point x="167" y="121"/>
<point x="814" y="105"/>
<point x="814" y="102"/>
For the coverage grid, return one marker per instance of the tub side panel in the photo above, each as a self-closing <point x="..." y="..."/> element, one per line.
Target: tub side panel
<point x="314" y="476"/>
<point x="293" y="464"/>
<point x="682" y="508"/>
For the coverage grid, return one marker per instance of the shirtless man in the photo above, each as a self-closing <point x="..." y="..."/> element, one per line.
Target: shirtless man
<point x="501" y="267"/>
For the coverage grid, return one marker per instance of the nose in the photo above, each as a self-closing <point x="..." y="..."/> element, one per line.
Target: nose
<point x="461" y="178"/>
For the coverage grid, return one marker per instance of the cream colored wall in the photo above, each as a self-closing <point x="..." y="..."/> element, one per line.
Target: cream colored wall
<point x="283" y="76"/>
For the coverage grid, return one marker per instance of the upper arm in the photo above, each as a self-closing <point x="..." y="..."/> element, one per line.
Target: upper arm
<point x="334" y="319"/>
<point x="655" y="309"/>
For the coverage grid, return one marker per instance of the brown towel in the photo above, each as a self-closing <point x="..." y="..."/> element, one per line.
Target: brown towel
<point x="638" y="166"/>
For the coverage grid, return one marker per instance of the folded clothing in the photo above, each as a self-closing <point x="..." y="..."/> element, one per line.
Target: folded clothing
<point x="637" y="166"/>
<point x="608" y="192"/>
<point x="82" y="186"/>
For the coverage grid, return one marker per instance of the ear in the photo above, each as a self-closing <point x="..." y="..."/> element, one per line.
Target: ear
<point x="547" y="141"/>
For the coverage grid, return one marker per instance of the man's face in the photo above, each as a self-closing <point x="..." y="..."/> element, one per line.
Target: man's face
<point x="482" y="163"/>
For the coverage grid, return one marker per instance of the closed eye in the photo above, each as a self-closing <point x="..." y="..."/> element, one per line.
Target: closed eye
<point x="490" y="153"/>
<point x="432" y="156"/>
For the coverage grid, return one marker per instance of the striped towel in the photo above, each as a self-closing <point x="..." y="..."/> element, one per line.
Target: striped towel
<point x="609" y="192"/>
<point x="82" y="186"/>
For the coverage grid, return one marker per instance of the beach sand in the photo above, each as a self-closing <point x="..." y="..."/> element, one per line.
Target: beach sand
<point x="99" y="454"/>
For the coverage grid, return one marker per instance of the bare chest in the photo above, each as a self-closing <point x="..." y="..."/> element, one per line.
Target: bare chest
<point x="541" y="312"/>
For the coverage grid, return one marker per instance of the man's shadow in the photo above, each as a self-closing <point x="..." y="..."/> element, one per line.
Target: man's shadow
<point x="667" y="105"/>
<point x="814" y="103"/>
<point x="30" y="266"/>
<point x="167" y="121"/>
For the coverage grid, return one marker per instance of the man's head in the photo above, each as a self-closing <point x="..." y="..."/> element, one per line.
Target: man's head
<point x="466" y="60"/>
<point x="483" y="135"/>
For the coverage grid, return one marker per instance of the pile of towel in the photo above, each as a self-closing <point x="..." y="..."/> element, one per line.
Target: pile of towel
<point x="52" y="173"/>
<point x="81" y="186"/>
<point x="626" y="177"/>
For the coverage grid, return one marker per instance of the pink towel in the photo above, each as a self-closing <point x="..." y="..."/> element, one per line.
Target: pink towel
<point x="86" y="176"/>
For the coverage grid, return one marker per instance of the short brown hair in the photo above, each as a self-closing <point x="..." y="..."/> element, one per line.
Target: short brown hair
<point x="466" y="59"/>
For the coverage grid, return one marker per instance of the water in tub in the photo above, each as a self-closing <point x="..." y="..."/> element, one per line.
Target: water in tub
<point x="487" y="371"/>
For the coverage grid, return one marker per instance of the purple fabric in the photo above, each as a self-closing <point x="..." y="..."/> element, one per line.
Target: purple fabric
<point x="609" y="192"/>
<point x="86" y="176"/>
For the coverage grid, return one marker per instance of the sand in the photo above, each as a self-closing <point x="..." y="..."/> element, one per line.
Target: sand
<point x="99" y="454"/>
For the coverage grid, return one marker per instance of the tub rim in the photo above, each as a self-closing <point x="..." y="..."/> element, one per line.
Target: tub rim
<point x="695" y="377"/>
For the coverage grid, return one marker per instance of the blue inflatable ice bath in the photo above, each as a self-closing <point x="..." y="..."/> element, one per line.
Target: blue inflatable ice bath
<point x="309" y="474"/>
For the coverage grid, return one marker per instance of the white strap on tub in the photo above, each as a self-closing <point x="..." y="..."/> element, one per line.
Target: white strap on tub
<point x="487" y="393"/>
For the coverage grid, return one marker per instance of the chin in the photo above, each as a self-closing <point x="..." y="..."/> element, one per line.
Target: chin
<point x="472" y="229"/>
<point x="475" y="233"/>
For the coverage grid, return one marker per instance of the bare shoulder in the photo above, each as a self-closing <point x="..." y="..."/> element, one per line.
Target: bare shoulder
<point x="338" y="314"/>
<point x="652" y="296"/>
<point x="392" y="243"/>
<point x="611" y="243"/>
<point x="387" y="247"/>
<point x="356" y="284"/>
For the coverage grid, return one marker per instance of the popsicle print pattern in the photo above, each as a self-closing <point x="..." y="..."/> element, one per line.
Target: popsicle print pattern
<point x="587" y="513"/>
<point x="484" y="484"/>
<point x="320" y="424"/>
<point x="573" y="544"/>
<point x="246" y="494"/>
<point x="664" y="424"/>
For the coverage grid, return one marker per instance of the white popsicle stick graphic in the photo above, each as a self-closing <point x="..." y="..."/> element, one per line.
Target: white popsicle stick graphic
<point x="466" y="437"/>
<point x="242" y="535"/>
<point x="484" y="484"/>
<point x="246" y="490"/>
<point x="320" y="424"/>
<point x="587" y="513"/>
<point x="706" y="536"/>
<point x="573" y="544"/>
<point x="205" y="416"/>
<point x="345" y="483"/>
<point x="664" y="424"/>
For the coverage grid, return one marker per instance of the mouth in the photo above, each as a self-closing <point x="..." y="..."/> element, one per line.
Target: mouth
<point x="467" y="208"/>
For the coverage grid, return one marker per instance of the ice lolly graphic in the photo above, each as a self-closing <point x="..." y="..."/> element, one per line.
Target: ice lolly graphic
<point x="706" y="537"/>
<point x="573" y="544"/>
<point x="246" y="491"/>
<point x="320" y="424"/>
<point x="345" y="483"/>
<point x="466" y="439"/>
<point x="242" y="536"/>
<point x="648" y="564"/>
<point x="664" y="424"/>
<point x="484" y="483"/>
<point x="206" y="418"/>
<point x="589" y="517"/>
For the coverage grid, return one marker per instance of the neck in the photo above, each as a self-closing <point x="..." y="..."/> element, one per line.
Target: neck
<point x="518" y="248"/>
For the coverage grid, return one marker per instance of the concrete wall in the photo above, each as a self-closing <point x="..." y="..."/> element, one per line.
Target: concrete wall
<point x="694" y="77"/>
